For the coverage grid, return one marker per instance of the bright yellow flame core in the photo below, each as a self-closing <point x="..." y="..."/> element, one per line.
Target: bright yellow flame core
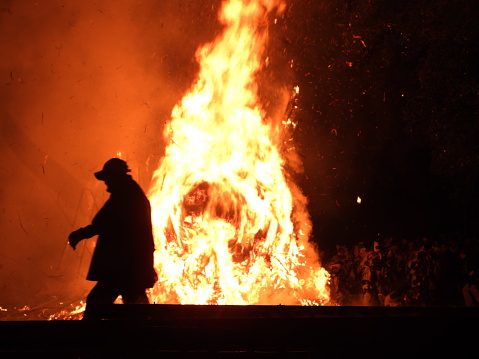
<point x="228" y="229"/>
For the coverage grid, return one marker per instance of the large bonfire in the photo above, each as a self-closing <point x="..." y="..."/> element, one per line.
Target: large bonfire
<point x="230" y="226"/>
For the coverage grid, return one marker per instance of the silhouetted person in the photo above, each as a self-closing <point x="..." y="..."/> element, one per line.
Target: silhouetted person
<point x="122" y="263"/>
<point x="470" y="291"/>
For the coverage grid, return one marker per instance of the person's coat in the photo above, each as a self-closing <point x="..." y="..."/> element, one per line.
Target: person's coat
<point x="125" y="246"/>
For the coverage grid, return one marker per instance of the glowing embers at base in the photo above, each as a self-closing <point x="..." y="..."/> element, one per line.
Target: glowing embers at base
<point x="230" y="225"/>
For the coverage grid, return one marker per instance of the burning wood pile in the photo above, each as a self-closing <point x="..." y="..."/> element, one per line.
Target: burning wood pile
<point x="231" y="227"/>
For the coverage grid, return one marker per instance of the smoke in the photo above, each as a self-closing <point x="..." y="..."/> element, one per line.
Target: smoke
<point x="81" y="82"/>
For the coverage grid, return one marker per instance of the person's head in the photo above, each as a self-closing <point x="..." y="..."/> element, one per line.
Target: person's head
<point x="113" y="170"/>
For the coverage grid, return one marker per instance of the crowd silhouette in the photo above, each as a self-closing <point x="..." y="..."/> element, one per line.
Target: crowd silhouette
<point x="418" y="272"/>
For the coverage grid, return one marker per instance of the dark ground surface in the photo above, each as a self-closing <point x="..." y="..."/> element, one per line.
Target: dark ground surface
<point x="174" y="331"/>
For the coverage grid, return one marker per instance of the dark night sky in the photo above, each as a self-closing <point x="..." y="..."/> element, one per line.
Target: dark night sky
<point x="387" y="111"/>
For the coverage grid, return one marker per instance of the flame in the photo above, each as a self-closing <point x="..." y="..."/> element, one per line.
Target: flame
<point x="230" y="226"/>
<point x="68" y="314"/>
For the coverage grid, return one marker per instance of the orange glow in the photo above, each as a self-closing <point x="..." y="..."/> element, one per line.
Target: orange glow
<point x="230" y="226"/>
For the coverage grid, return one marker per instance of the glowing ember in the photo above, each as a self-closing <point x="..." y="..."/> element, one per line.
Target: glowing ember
<point x="230" y="226"/>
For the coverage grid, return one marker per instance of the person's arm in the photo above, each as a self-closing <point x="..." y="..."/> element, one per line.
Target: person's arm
<point x="82" y="233"/>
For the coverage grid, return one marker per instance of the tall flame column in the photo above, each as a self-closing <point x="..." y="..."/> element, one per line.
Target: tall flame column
<point x="230" y="228"/>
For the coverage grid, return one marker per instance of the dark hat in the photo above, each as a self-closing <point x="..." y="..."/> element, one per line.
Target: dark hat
<point x="112" y="168"/>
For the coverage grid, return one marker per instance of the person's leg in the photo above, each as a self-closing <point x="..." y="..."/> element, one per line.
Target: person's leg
<point x="474" y="290"/>
<point x="102" y="293"/>
<point x="467" y="296"/>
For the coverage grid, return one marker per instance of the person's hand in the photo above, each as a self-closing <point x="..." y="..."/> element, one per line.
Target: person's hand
<point x="75" y="237"/>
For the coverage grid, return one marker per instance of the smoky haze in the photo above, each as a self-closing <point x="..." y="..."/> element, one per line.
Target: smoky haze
<point x="81" y="82"/>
